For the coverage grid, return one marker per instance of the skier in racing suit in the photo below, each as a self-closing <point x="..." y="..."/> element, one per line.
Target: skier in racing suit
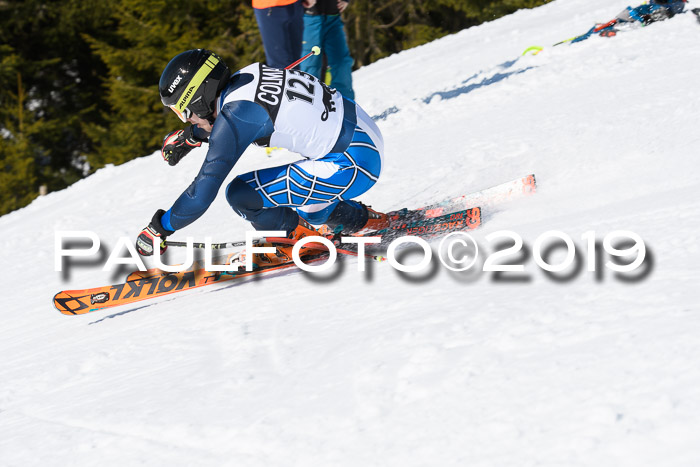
<point x="340" y="145"/>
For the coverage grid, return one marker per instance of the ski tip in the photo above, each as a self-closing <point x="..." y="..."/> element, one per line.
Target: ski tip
<point x="71" y="305"/>
<point x="529" y="184"/>
<point x="533" y="50"/>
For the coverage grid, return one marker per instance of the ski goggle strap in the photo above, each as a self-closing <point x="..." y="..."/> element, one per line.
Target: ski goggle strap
<point x="180" y="108"/>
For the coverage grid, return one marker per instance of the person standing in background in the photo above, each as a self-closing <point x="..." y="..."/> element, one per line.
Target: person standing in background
<point x="281" y="25"/>
<point x="323" y="26"/>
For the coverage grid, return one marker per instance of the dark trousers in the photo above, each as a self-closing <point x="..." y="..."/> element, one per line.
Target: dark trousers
<point x="282" y="30"/>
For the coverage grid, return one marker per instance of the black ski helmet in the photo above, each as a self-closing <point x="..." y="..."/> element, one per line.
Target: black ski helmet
<point x="191" y="82"/>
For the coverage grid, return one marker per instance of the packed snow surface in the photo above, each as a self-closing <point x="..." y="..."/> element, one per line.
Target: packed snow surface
<point x="379" y="368"/>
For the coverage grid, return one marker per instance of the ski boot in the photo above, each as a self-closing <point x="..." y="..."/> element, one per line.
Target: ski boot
<point x="354" y="218"/>
<point x="283" y="251"/>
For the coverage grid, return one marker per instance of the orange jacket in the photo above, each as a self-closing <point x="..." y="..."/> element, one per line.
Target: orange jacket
<point x="261" y="4"/>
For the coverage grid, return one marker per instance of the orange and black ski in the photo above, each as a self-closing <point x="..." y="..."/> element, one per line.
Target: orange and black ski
<point x="152" y="284"/>
<point x="462" y="213"/>
<point x="504" y="192"/>
<point x="143" y="285"/>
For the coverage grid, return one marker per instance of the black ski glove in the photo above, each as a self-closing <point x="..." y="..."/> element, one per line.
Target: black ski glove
<point x="154" y="230"/>
<point x="179" y="143"/>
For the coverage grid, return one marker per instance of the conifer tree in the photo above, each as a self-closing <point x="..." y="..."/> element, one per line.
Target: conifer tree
<point x="49" y="89"/>
<point x="379" y="29"/>
<point x="79" y="79"/>
<point x="150" y="34"/>
<point x="18" y="177"/>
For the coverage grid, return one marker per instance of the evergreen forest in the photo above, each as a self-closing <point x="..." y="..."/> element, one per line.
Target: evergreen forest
<point x="79" y="78"/>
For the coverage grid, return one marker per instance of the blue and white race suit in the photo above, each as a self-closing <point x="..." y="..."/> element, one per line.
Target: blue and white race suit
<point x="340" y="145"/>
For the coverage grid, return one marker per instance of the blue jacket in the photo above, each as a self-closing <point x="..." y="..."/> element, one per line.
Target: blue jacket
<point x="237" y="126"/>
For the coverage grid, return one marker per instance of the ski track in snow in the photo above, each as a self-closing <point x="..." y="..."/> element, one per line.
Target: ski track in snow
<point x="377" y="369"/>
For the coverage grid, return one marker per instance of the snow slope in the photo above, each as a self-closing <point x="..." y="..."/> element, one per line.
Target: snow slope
<point x="440" y="369"/>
